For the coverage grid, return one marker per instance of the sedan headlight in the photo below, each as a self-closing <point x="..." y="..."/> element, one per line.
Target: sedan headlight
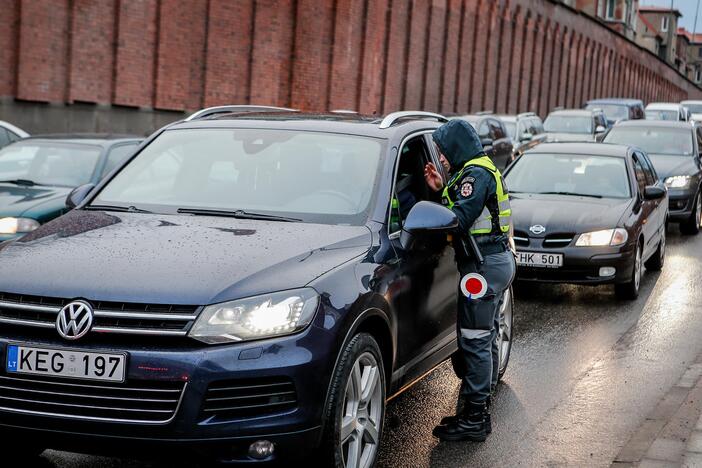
<point x="617" y="236"/>
<point x="678" y="181"/>
<point x="17" y="225"/>
<point x="253" y="318"/>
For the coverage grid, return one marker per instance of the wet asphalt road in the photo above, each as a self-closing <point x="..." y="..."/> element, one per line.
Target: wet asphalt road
<point x="585" y="370"/>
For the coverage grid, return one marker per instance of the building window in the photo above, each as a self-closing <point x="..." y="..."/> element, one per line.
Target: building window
<point x="699" y="52"/>
<point x="610" y="9"/>
<point x="664" y="24"/>
<point x="698" y="75"/>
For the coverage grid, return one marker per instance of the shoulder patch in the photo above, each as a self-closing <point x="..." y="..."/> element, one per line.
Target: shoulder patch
<point x="466" y="188"/>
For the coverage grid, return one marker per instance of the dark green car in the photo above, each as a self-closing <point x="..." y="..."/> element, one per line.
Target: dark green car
<point x="37" y="173"/>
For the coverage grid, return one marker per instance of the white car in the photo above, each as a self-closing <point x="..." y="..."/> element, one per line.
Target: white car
<point x="10" y="133"/>
<point x="694" y="108"/>
<point x="667" y="111"/>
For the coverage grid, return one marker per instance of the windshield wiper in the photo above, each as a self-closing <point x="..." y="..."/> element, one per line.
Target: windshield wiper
<point x="239" y="214"/>
<point x="126" y="209"/>
<point x="570" y="193"/>
<point x="27" y="182"/>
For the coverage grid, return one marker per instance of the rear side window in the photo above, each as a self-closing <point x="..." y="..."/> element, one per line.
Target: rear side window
<point x="640" y="174"/>
<point x="648" y="169"/>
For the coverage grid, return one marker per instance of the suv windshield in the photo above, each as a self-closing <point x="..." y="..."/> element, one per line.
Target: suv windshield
<point x="568" y="124"/>
<point x="612" y="111"/>
<point x="315" y="177"/>
<point x="570" y="174"/>
<point x="694" y="108"/>
<point x="658" y="114"/>
<point x="673" y="141"/>
<point x="49" y="163"/>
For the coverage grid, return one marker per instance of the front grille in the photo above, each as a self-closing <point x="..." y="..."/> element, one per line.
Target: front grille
<point x="137" y="402"/>
<point x="110" y="317"/>
<point x="237" y="399"/>
<point x="558" y="240"/>
<point x="521" y="238"/>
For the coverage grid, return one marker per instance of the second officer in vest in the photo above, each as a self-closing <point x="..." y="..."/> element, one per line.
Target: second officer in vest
<point x="477" y="195"/>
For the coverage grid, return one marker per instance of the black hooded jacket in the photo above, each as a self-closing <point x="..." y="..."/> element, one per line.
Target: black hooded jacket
<point x="470" y="188"/>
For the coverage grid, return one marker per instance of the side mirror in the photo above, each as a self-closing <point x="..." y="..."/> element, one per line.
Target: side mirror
<point x="654" y="192"/>
<point x="526" y="136"/>
<point x="600" y="129"/>
<point x="486" y="142"/>
<point x="424" y="219"/>
<point x="78" y="194"/>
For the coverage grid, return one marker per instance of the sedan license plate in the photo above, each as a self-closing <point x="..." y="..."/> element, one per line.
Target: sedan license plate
<point x="541" y="260"/>
<point x="66" y="363"/>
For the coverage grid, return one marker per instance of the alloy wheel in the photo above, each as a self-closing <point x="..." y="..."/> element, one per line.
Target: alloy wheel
<point x="361" y="418"/>
<point x="504" y="337"/>
<point x="698" y="210"/>
<point x="637" y="269"/>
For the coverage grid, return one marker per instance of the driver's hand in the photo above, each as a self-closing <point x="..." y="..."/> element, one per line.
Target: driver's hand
<point x="433" y="177"/>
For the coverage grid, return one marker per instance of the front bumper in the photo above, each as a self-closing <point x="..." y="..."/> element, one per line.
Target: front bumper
<point x="581" y="265"/>
<point x="303" y="360"/>
<point x="680" y="204"/>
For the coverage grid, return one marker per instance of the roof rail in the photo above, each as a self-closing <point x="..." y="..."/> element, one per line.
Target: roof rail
<point x="486" y="112"/>
<point x="391" y="119"/>
<point x="527" y="114"/>
<point x="202" y="113"/>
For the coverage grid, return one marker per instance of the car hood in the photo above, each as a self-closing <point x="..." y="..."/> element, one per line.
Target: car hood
<point x="15" y="199"/>
<point x="565" y="214"/>
<point x="566" y="137"/>
<point x="172" y="259"/>
<point x="667" y="165"/>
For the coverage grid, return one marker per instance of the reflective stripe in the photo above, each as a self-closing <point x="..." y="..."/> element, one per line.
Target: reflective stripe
<point x="470" y="334"/>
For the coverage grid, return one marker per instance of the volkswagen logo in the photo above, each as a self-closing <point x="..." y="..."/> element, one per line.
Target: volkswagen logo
<point x="537" y="229"/>
<point x="74" y="320"/>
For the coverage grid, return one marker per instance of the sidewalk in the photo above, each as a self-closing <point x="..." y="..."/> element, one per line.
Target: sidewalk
<point x="671" y="435"/>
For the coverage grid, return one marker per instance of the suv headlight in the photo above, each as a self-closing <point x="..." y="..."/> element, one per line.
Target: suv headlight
<point x="17" y="225"/>
<point x="616" y="236"/>
<point x="678" y="181"/>
<point x="253" y="318"/>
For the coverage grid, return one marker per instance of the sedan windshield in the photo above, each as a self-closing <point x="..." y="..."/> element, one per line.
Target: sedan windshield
<point x="673" y="141"/>
<point x="612" y="111"/>
<point x="568" y="124"/>
<point x="49" y="163"/>
<point x="658" y="114"/>
<point x="511" y="129"/>
<point x="314" y="177"/>
<point x="694" y="108"/>
<point x="569" y="174"/>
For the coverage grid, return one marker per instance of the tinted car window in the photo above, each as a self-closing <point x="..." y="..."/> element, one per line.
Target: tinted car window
<point x="49" y="163"/>
<point x="570" y="174"/>
<point x="496" y="131"/>
<point x="511" y="129"/>
<point x="654" y="140"/>
<point x="116" y="156"/>
<point x="568" y="124"/>
<point x="648" y="168"/>
<point x="317" y="177"/>
<point x="662" y="114"/>
<point x="612" y="111"/>
<point x="537" y="125"/>
<point x="483" y="130"/>
<point x="640" y="175"/>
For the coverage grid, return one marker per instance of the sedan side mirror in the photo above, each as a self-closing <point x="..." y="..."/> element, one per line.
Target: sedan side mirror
<point x="78" y="194"/>
<point x="426" y="219"/>
<point x="654" y="192"/>
<point x="600" y="129"/>
<point x="526" y="136"/>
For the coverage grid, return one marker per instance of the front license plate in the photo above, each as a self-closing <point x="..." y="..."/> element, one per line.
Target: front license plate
<point x="542" y="260"/>
<point x="66" y="363"/>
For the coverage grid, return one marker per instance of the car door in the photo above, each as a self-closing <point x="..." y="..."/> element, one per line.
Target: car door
<point x="660" y="205"/>
<point x="501" y="144"/>
<point x="425" y="280"/>
<point x="648" y="207"/>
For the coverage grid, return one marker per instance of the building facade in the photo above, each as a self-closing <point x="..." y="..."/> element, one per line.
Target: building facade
<point x="664" y="21"/>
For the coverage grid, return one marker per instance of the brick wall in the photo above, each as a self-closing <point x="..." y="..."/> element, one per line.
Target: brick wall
<point x="374" y="56"/>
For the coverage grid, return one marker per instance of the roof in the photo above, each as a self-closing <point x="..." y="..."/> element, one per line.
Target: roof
<point x="664" y="105"/>
<point x="655" y="123"/>
<point x="102" y="139"/>
<point x="346" y="123"/>
<point x="580" y="112"/>
<point x="595" y="149"/>
<point x="690" y="36"/>
<point x="622" y="101"/>
<point x="658" y="9"/>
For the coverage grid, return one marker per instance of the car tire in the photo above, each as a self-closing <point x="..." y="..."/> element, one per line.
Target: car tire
<point x="630" y="289"/>
<point x="657" y="260"/>
<point x="505" y="336"/>
<point x="356" y="407"/>
<point x="691" y="226"/>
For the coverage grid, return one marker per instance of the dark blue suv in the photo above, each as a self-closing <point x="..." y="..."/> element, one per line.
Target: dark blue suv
<point x="253" y="284"/>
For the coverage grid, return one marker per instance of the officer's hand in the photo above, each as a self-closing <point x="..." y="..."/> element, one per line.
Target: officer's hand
<point x="433" y="177"/>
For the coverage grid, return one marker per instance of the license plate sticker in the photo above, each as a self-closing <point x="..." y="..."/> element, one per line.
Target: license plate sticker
<point x="66" y="363"/>
<point x="540" y="260"/>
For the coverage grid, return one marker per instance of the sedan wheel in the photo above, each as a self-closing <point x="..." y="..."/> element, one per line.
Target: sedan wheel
<point x="693" y="224"/>
<point x="504" y="336"/>
<point x="630" y="289"/>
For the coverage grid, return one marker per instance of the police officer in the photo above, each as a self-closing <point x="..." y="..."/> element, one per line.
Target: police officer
<point x="477" y="195"/>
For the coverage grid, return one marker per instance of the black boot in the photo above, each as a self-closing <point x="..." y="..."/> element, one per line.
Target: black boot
<point x="470" y="425"/>
<point x="459" y="408"/>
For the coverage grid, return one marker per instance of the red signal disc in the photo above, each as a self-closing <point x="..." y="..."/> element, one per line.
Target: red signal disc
<point x="473" y="286"/>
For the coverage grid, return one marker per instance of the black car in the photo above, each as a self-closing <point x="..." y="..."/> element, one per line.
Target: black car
<point x="249" y="286"/>
<point x="587" y="213"/>
<point x="37" y="173"/>
<point x="675" y="148"/>
<point x="618" y="109"/>
<point x="570" y="125"/>
<point x="526" y="131"/>
<point x="493" y="135"/>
